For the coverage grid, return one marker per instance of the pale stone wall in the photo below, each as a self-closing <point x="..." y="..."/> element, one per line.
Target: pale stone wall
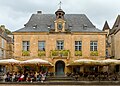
<point x="112" y="45"/>
<point x="69" y="43"/>
<point x="117" y="45"/>
<point x="3" y="46"/>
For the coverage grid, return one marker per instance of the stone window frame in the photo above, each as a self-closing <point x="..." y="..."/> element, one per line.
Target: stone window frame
<point x="26" y="45"/>
<point x="78" y="45"/>
<point x="93" y="45"/>
<point x="60" y="44"/>
<point x="41" y="45"/>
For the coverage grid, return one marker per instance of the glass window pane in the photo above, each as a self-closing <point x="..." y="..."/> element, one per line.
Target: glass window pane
<point x="41" y="45"/>
<point x="93" y="46"/>
<point x="91" y="43"/>
<point x="78" y="45"/>
<point x="26" y="45"/>
<point x="60" y="45"/>
<point x="95" y="43"/>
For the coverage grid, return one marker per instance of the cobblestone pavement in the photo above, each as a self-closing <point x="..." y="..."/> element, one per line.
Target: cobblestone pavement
<point x="56" y="85"/>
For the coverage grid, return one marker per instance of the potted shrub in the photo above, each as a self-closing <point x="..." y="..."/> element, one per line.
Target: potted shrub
<point x="25" y="53"/>
<point x="94" y="53"/>
<point x="41" y="53"/>
<point x="78" y="53"/>
<point x="54" y="52"/>
<point x="64" y="52"/>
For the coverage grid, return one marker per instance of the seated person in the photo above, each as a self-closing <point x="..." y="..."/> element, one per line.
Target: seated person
<point x="21" y="78"/>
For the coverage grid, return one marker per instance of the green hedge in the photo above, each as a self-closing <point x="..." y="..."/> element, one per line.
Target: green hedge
<point x="64" y="52"/>
<point x="41" y="53"/>
<point x="60" y="52"/>
<point x="94" y="53"/>
<point x="25" y="53"/>
<point x="78" y="53"/>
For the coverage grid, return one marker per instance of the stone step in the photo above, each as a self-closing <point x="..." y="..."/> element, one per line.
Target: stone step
<point x="59" y="79"/>
<point x="64" y="83"/>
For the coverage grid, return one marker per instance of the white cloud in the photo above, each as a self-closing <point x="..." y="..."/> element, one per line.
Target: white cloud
<point x="15" y="13"/>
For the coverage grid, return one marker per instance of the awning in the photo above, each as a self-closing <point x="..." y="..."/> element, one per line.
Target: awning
<point x="94" y="62"/>
<point x="36" y="61"/>
<point x="9" y="61"/>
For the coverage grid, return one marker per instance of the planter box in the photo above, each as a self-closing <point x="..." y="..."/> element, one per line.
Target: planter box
<point x="60" y="53"/>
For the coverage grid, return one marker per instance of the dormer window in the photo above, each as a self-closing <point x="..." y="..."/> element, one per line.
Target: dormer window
<point x="70" y="26"/>
<point x="84" y="26"/>
<point x="35" y="26"/>
<point x="49" y="26"/>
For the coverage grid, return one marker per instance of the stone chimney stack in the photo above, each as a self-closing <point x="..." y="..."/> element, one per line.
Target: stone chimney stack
<point x="39" y="12"/>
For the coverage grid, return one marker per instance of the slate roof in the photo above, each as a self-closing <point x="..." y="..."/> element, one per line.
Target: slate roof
<point x="116" y="26"/>
<point x="106" y="26"/>
<point x="74" y="23"/>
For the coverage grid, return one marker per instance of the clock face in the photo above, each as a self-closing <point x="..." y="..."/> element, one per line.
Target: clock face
<point x="60" y="26"/>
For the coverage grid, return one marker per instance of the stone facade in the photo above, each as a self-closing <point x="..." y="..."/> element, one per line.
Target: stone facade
<point x="51" y="39"/>
<point x="113" y="39"/>
<point x="6" y="44"/>
<point x="69" y="44"/>
<point x="60" y="33"/>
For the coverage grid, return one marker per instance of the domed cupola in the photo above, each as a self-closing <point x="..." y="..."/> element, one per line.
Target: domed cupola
<point x="60" y="14"/>
<point x="59" y="21"/>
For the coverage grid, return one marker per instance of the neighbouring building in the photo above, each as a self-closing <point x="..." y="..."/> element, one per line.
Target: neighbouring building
<point x="107" y="29"/>
<point x="6" y="44"/>
<point x="113" y="41"/>
<point x="59" y="38"/>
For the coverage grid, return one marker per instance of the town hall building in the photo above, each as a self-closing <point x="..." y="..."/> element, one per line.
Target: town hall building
<point x="59" y="38"/>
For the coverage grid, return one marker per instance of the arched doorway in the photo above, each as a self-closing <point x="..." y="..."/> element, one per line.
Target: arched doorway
<point x="59" y="68"/>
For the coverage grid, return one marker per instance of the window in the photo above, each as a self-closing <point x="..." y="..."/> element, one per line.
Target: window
<point x="60" y="45"/>
<point x="60" y="17"/>
<point x="93" y="46"/>
<point x="107" y="53"/>
<point x="78" y="45"/>
<point x="60" y="26"/>
<point x="3" y="43"/>
<point x="26" y="45"/>
<point x="1" y="68"/>
<point x="41" y="45"/>
<point x="1" y="52"/>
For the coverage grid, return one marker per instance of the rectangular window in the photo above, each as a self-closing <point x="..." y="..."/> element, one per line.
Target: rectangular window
<point x="3" y="43"/>
<point x="41" y="45"/>
<point x="60" y="45"/>
<point x="78" y="45"/>
<point x="93" y="45"/>
<point x="26" y="45"/>
<point x="1" y="53"/>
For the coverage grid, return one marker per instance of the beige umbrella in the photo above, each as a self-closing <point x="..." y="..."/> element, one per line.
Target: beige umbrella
<point x="110" y="61"/>
<point x="83" y="62"/>
<point x="9" y="61"/>
<point x="36" y="61"/>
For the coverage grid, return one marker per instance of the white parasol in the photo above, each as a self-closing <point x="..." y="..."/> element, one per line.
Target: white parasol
<point x="9" y="61"/>
<point x="36" y="61"/>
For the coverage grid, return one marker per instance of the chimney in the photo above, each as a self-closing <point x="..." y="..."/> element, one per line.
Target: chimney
<point x="3" y="27"/>
<point x="39" y="12"/>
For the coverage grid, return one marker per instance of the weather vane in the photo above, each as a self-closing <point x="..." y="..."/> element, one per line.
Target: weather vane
<point x="60" y="5"/>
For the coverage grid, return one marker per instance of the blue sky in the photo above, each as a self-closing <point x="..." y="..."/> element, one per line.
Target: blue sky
<point x="15" y="13"/>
